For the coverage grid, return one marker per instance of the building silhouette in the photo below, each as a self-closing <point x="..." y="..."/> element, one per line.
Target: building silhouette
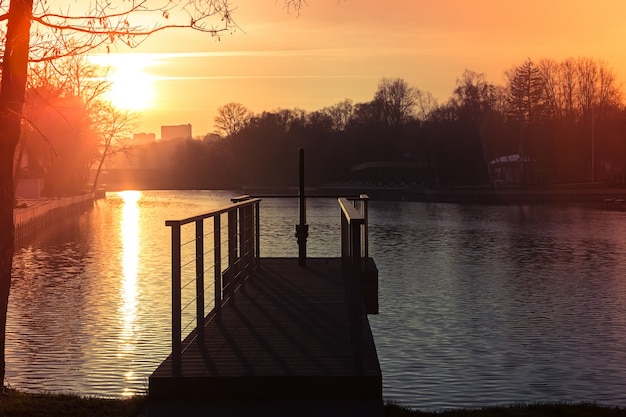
<point x="176" y="132"/>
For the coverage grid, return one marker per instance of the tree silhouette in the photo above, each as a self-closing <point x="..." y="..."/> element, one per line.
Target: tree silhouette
<point x="527" y="106"/>
<point x="476" y="99"/>
<point x="54" y="88"/>
<point x="114" y="125"/>
<point x="231" y="118"/>
<point x="398" y="100"/>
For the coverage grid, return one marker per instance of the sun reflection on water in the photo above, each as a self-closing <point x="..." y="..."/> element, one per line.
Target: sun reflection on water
<point x="130" y="258"/>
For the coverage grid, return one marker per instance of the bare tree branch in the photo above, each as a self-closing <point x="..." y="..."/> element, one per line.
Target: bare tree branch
<point x="295" y="5"/>
<point x="60" y="33"/>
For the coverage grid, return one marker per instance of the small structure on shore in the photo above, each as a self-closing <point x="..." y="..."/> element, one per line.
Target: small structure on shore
<point x="511" y="170"/>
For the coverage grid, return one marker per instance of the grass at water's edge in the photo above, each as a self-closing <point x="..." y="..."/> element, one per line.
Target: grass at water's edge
<point x="18" y="404"/>
<point x="517" y="410"/>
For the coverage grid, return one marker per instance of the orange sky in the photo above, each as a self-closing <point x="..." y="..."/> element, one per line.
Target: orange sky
<point x="338" y="49"/>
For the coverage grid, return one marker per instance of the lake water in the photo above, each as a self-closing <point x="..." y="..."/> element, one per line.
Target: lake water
<point x="479" y="305"/>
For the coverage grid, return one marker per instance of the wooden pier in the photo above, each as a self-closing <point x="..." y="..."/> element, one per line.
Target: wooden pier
<point x="280" y="332"/>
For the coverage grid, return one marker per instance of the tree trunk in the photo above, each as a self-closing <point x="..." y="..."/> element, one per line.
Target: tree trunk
<point x="105" y="153"/>
<point x="12" y="91"/>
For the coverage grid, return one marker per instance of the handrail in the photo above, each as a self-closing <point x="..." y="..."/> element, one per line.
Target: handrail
<point x="241" y="240"/>
<point x="212" y="213"/>
<point x="353" y="226"/>
<point x="359" y="209"/>
<point x="242" y="235"/>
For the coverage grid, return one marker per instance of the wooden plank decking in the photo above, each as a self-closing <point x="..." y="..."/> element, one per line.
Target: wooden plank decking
<point x="285" y="337"/>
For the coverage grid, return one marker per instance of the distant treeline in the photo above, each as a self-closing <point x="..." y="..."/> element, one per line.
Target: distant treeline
<point x="562" y="122"/>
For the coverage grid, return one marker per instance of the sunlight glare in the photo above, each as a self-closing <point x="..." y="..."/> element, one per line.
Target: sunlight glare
<point x="132" y="87"/>
<point x="130" y="261"/>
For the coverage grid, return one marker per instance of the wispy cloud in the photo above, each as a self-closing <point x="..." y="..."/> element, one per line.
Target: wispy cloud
<point x="260" y="77"/>
<point x="269" y="53"/>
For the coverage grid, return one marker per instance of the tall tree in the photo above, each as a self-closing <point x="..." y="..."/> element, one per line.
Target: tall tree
<point x="231" y="118"/>
<point x="68" y="122"/>
<point x="598" y="94"/>
<point x="527" y="93"/>
<point x="113" y="125"/>
<point x="426" y="103"/>
<point x="398" y="100"/>
<point x="527" y="105"/>
<point x="58" y="33"/>
<point x="340" y="114"/>
<point x="475" y="99"/>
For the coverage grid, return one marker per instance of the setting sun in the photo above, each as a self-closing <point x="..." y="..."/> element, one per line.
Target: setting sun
<point x="132" y="87"/>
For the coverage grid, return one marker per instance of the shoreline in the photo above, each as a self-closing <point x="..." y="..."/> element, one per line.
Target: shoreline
<point x="32" y="215"/>
<point x="600" y="195"/>
<point x="18" y="403"/>
<point x="595" y="194"/>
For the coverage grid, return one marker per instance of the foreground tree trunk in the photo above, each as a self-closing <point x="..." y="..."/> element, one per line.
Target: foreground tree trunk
<point x="12" y="91"/>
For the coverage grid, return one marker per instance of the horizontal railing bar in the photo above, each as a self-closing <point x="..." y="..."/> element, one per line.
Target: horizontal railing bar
<point x="352" y="214"/>
<point x="210" y="213"/>
<point x="333" y="196"/>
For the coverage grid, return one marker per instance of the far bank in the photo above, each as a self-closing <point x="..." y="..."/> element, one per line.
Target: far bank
<point x="581" y="193"/>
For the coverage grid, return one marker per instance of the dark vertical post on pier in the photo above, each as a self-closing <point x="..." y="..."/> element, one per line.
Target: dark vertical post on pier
<point x="302" y="229"/>
<point x="176" y="302"/>
<point x="200" y="277"/>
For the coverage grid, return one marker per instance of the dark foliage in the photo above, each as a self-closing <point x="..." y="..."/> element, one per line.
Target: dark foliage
<point x="566" y="121"/>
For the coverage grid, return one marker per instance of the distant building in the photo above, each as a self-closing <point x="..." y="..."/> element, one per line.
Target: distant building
<point x="176" y="132"/>
<point x="512" y="170"/>
<point x="143" y="138"/>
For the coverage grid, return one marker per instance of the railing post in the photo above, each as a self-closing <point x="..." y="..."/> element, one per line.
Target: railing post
<point x="250" y="239"/>
<point x="365" y="201"/>
<point x="242" y="245"/>
<point x="232" y="250"/>
<point x="200" y="278"/>
<point x="176" y="302"/>
<point x="344" y="236"/>
<point x="351" y="222"/>
<point x="302" y="229"/>
<point x="217" y="273"/>
<point x="356" y="311"/>
<point x="257" y="232"/>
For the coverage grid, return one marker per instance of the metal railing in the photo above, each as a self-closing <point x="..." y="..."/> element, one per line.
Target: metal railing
<point x="353" y="250"/>
<point x="193" y="241"/>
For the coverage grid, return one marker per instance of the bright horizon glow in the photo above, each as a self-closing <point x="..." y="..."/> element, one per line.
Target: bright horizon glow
<point x="340" y="50"/>
<point x="132" y="86"/>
